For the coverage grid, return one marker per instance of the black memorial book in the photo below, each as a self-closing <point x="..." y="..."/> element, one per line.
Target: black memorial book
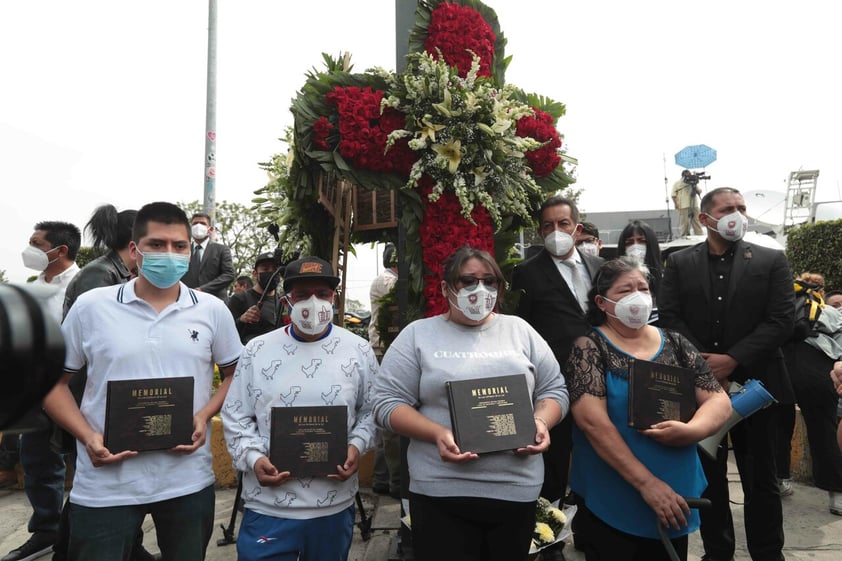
<point x="660" y="392"/>
<point x="148" y="414"/>
<point x="491" y="414"/>
<point x="309" y="441"/>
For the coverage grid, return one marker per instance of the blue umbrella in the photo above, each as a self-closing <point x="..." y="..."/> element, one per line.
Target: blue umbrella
<point x="695" y="157"/>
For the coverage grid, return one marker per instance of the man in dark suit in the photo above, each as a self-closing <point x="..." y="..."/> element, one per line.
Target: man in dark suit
<point x="734" y="301"/>
<point x="553" y="289"/>
<point x="211" y="267"/>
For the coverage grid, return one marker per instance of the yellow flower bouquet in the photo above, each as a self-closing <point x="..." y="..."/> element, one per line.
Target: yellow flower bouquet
<point x="550" y="524"/>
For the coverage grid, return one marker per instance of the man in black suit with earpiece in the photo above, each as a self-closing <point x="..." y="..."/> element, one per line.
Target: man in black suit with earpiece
<point x="734" y="301"/>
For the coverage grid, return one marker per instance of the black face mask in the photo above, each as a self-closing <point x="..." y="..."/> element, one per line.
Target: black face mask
<point x="268" y="282"/>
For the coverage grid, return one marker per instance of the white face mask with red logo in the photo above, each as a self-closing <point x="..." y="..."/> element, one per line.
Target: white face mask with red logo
<point x="311" y="316"/>
<point x="732" y="227"/>
<point x="633" y="309"/>
<point x="476" y="303"/>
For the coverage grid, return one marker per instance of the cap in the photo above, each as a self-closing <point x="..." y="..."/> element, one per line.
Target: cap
<point x="309" y="268"/>
<point x="267" y="256"/>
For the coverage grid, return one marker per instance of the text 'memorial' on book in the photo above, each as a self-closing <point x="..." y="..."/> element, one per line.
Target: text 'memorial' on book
<point x="660" y="392"/>
<point x="309" y="441"/>
<point x="148" y="414"/>
<point x="491" y="414"/>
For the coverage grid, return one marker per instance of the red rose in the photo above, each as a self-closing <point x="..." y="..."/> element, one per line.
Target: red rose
<point x="363" y="131"/>
<point x="321" y="130"/>
<point x="456" y="29"/>
<point x="443" y="230"/>
<point x="544" y="160"/>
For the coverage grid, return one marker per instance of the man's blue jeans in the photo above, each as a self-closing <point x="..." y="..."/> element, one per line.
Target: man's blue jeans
<point x="183" y="526"/>
<point x="44" y="472"/>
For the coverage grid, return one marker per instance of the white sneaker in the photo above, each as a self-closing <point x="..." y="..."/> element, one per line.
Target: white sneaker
<point x="785" y="485"/>
<point x="835" y="502"/>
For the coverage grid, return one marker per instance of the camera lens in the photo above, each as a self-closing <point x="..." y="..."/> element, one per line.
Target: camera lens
<point x="31" y="351"/>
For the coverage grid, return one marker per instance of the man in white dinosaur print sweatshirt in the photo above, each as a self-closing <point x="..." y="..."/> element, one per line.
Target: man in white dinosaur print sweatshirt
<point x="314" y="363"/>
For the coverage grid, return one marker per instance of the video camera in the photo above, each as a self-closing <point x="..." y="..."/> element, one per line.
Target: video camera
<point x="31" y="355"/>
<point x="281" y="260"/>
<point x="694" y="177"/>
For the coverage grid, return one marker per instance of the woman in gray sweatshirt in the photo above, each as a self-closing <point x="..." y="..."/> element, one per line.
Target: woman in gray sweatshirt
<point x="465" y="505"/>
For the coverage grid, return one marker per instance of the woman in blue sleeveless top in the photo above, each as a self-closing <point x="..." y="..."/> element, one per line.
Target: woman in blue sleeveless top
<point x="632" y="480"/>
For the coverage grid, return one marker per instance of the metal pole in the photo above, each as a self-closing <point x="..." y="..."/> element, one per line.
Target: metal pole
<point x="404" y="19"/>
<point x="209" y="203"/>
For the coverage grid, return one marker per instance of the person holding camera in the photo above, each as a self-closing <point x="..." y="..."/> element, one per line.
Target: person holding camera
<point x="685" y="194"/>
<point x="259" y="309"/>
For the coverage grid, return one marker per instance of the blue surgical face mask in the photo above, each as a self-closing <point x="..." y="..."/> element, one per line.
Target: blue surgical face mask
<point x="163" y="270"/>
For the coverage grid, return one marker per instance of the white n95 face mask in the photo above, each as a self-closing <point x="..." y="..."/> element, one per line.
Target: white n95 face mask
<point x="633" y="309"/>
<point x="36" y="259"/>
<point x="637" y="251"/>
<point x="199" y="231"/>
<point x="558" y="243"/>
<point x="589" y="248"/>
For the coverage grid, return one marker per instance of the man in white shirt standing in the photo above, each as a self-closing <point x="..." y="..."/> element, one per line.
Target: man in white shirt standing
<point x="52" y="252"/>
<point x="151" y="327"/>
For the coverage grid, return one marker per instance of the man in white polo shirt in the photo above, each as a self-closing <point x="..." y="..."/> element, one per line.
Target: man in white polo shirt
<point x="151" y="327"/>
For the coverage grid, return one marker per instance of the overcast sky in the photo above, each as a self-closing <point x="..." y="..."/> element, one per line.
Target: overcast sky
<point x="104" y="101"/>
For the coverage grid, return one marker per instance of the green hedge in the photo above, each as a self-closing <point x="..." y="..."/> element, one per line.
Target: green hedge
<point x="817" y="248"/>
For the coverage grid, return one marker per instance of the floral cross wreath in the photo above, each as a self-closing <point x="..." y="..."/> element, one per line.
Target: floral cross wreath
<point x="470" y="156"/>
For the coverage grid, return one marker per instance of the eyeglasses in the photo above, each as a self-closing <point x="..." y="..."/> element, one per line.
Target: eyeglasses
<point x="299" y="294"/>
<point x="472" y="282"/>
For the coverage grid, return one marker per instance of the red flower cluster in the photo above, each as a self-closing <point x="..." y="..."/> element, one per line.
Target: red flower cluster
<point x="544" y="160"/>
<point x="453" y="30"/>
<point x="321" y="130"/>
<point x="443" y="230"/>
<point x="363" y="131"/>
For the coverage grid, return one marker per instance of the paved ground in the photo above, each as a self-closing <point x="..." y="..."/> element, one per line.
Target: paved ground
<point x="812" y="533"/>
<point x="383" y="512"/>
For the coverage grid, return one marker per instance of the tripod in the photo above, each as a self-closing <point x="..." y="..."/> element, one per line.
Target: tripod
<point x="667" y="200"/>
